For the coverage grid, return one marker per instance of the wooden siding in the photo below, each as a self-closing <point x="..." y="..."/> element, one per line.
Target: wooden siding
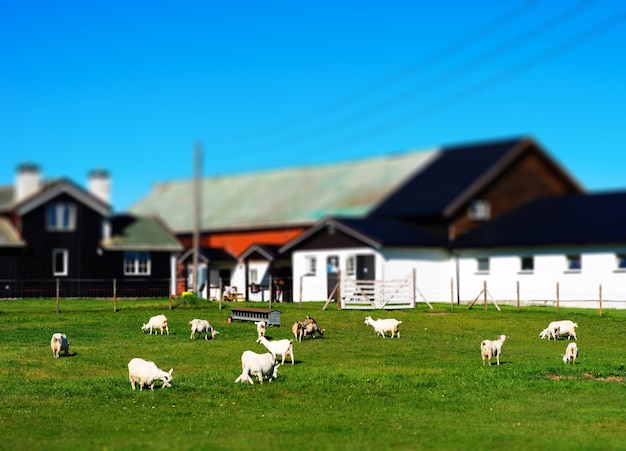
<point x="530" y="177"/>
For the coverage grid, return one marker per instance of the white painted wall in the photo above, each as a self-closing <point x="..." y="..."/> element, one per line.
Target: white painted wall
<point x="575" y="288"/>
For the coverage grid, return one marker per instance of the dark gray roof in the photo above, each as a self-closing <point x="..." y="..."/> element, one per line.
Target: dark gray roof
<point x="456" y="175"/>
<point x="591" y="219"/>
<point x="140" y="233"/>
<point x="377" y="233"/>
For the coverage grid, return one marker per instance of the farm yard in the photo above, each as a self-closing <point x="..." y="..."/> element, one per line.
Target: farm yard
<point x="351" y="389"/>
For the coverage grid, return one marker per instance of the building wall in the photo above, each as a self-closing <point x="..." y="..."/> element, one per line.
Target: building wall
<point x="576" y="288"/>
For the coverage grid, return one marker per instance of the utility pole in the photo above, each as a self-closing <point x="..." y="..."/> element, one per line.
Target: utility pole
<point x="197" y="166"/>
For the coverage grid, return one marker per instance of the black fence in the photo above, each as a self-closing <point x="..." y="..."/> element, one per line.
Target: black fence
<point x="84" y="288"/>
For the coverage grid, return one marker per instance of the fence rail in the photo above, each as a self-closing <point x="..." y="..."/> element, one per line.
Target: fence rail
<point x="84" y="288"/>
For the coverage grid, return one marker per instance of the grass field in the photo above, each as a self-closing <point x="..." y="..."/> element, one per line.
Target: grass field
<point x="349" y="390"/>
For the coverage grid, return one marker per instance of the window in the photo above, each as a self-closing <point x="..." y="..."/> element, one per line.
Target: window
<point x="479" y="210"/>
<point x="61" y="216"/>
<point x="59" y="262"/>
<point x="311" y="266"/>
<point x="621" y="261"/>
<point x="482" y="264"/>
<point x="254" y="275"/>
<point x="574" y="262"/>
<point x="527" y="264"/>
<point x="350" y="265"/>
<point x="136" y="263"/>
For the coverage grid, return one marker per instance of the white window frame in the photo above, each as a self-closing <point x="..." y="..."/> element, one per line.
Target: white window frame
<point x="573" y="262"/>
<point x="351" y="265"/>
<point x="61" y="217"/>
<point x="620" y="262"/>
<point x="254" y="275"/>
<point x="310" y="262"/>
<point x="523" y="270"/>
<point x="483" y="265"/>
<point x="64" y="255"/>
<point x="479" y="210"/>
<point x="137" y="264"/>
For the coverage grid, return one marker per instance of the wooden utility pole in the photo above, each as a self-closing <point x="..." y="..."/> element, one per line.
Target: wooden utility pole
<point x="197" y="169"/>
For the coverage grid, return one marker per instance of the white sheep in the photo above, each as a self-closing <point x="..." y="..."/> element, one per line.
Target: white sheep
<point x="59" y="343"/>
<point x="558" y="328"/>
<point x="201" y="326"/>
<point x="147" y="373"/>
<point x="278" y="347"/>
<point x="257" y="365"/>
<point x="381" y="326"/>
<point x="571" y="352"/>
<point x="261" y="328"/>
<point x="156" y="322"/>
<point x="492" y="348"/>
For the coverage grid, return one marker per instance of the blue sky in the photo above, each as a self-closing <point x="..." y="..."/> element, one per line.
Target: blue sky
<point x="131" y="87"/>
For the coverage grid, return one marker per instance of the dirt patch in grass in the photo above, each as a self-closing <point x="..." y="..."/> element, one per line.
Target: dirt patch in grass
<point x="588" y="375"/>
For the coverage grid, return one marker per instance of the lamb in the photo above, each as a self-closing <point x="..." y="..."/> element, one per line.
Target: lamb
<point x="147" y="373"/>
<point x="59" y="343"/>
<point x="311" y="329"/>
<point x="557" y="328"/>
<point x="571" y="352"/>
<point x="156" y="322"/>
<point x="202" y="326"/>
<point x="492" y="348"/>
<point x="298" y="330"/>
<point x="259" y="365"/>
<point x="278" y="347"/>
<point x="261" y="328"/>
<point x="381" y="326"/>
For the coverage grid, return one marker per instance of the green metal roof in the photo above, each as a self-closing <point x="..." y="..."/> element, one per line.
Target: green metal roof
<point x="131" y="233"/>
<point x="285" y="197"/>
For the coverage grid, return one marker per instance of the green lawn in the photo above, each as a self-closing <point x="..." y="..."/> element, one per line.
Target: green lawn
<point x="349" y="390"/>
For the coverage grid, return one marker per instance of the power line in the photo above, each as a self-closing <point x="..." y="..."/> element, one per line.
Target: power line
<point x="402" y="74"/>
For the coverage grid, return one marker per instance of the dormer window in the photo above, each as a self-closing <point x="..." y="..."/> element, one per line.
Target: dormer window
<point x="479" y="210"/>
<point x="61" y="216"/>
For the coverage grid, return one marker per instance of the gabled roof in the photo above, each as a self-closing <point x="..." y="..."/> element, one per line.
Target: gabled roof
<point x="297" y="196"/>
<point x="140" y="233"/>
<point x="62" y="186"/>
<point x="375" y="233"/>
<point x="266" y="251"/>
<point x="592" y="219"/>
<point x="457" y="175"/>
<point x="209" y="255"/>
<point x="9" y="237"/>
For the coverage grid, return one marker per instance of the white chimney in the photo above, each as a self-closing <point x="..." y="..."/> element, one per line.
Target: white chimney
<point x="99" y="184"/>
<point x="27" y="181"/>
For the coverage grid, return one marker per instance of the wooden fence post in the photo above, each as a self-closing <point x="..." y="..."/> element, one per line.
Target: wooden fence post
<point x="517" y="289"/>
<point x="600" y="299"/>
<point x="301" y="279"/>
<point x="114" y="295"/>
<point x="451" y="293"/>
<point x="485" y="293"/>
<point x="58" y="289"/>
<point x="558" y="308"/>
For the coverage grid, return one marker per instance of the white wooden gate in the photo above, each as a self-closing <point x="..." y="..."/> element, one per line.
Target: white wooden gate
<point x="379" y="294"/>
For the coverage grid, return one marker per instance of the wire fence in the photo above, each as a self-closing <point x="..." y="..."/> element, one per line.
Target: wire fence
<point x="84" y="288"/>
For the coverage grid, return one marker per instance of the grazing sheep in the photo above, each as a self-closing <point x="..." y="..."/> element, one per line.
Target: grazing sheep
<point x="492" y="348"/>
<point x="311" y="329"/>
<point x="156" y="322"/>
<point x="571" y="352"/>
<point x="557" y="328"/>
<point x="259" y="365"/>
<point x="147" y="373"/>
<point x="261" y="328"/>
<point x="298" y="330"/>
<point x="202" y="326"/>
<point x="381" y="326"/>
<point x="278" y="347"/>
<point x="59" y="343"/>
